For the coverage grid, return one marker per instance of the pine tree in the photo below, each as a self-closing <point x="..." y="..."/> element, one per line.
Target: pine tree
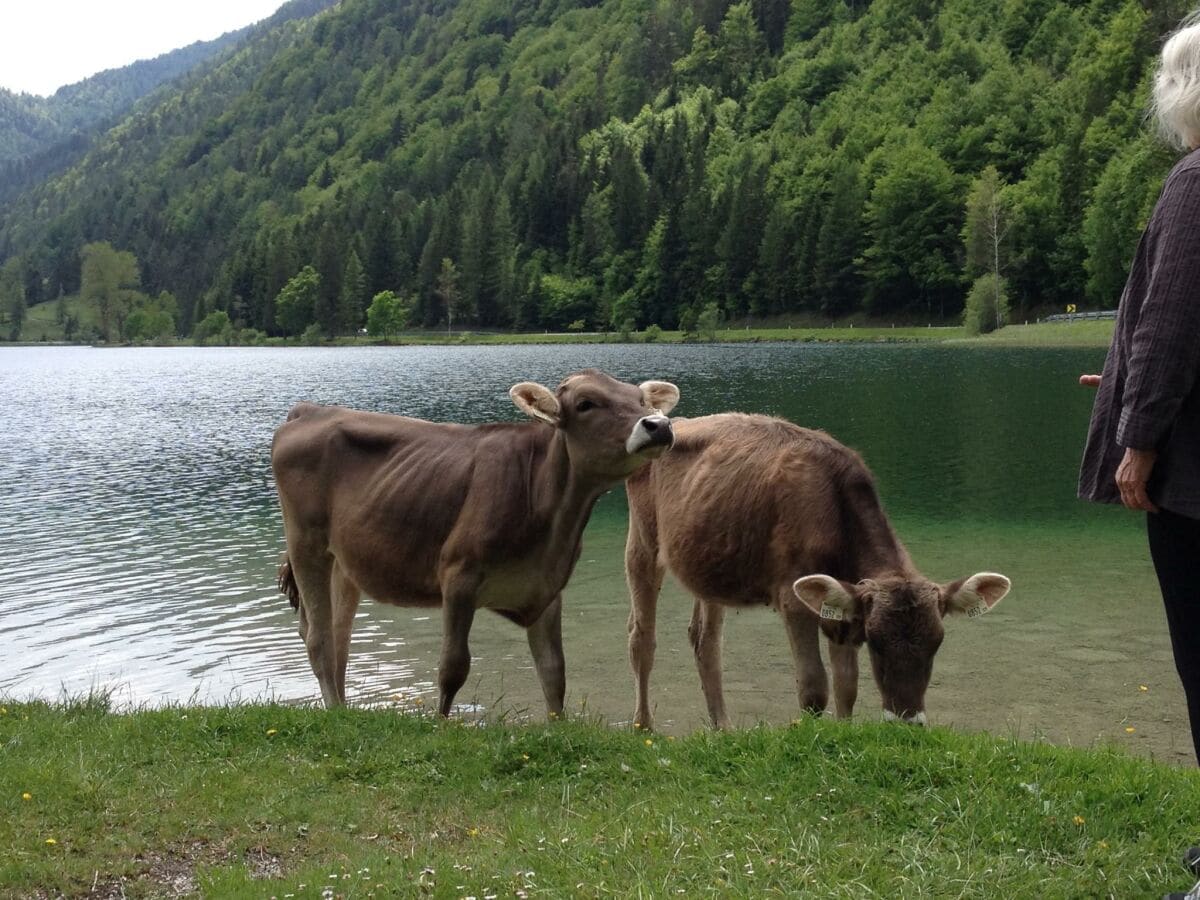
<point x="352" y="303"/>
<point x="329" y="265"/>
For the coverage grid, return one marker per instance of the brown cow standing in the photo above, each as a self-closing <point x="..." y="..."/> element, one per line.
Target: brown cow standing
<point x="743" y="505"/>
<point x="417" y="513"/>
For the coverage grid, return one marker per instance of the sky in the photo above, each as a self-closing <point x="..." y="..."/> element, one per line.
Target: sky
<point x="45" y="44"/>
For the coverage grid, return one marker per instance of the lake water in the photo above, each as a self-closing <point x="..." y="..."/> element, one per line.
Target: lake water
<point x="141" y="534"/>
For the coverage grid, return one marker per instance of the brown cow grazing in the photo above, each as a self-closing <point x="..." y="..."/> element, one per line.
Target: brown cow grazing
<point x="743" y="505"/>
<point x="463" y="517"/>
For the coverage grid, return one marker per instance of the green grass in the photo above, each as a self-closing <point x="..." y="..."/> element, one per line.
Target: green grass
<point x="260" y="801"/>
<point x="40" y="325"/>
<point x="876" y="334"/>
<point x="1091" y="333"/>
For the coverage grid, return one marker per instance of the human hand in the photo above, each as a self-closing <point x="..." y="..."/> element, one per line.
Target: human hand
<point x="1091" y="381"/>
<point x="1132" y="475"/>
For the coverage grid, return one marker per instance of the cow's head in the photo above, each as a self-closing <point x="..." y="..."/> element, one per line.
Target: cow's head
<point x="901" y="621"/>
<point x="612" y="428"/>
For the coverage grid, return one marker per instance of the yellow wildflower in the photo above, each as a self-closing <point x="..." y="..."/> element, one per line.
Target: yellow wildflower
<point x="27" y="796"/>
<point x="649" y="743"/>
<point x="1078" y="820"/>
<point x="1143" y="688"/>
<point x="271" y="731"/>
<point x="51" y="841"/>
<point x="1130" y="730"/>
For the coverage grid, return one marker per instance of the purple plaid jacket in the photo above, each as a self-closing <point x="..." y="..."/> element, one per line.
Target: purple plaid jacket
<point x="1149" y="396"/>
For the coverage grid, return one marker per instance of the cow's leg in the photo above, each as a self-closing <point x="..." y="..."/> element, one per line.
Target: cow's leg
<point x="345" y="595"/>
<point x="812" y="683"/>
<point x="458" y="612"/>
<point x="705" y="635"/>
<point x="644" y="574"/>
<point x="843" y="659"/>
<point x="545" y="643"/>
<point x="312" y="572"/>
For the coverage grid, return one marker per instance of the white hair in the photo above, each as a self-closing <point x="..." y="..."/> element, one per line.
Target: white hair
<point x="1175" y="103"/>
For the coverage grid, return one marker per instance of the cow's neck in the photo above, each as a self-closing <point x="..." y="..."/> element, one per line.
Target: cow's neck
<point x="563" y="498"/>
<point x="876" y="551"/>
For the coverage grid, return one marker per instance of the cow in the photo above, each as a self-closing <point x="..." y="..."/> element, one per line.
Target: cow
<point x="465" y="517"/>
<point x="752" y="510"/>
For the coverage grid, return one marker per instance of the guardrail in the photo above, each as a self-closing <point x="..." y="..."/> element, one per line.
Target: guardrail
<point x="1072" y="317"/>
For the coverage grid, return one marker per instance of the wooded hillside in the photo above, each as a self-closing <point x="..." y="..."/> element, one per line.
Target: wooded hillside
<point x="40" y="135"/>
<point x="514" y="163"/>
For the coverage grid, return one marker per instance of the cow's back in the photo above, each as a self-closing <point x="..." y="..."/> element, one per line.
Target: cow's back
<point x="745" y="503"/>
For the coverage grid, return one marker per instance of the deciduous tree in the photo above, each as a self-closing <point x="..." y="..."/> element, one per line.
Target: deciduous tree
<point x="296" y="303"/>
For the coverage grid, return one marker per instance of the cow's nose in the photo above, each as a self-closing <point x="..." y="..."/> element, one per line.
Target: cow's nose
<point x="917" y="718"/>
<point x="659" y="429"/>
<point x="650" y="432"/>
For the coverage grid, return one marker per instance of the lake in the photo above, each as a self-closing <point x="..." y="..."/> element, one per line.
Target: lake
<point x="141" y="533"/>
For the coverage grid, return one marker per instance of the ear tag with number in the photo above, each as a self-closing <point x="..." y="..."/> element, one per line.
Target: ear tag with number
<point x="977" y="609"/>
<point x="829" y="611"/>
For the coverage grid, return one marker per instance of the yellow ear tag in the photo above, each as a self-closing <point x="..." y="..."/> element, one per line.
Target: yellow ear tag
<point x="834" y="613"/>
<point x="978" y="609"/>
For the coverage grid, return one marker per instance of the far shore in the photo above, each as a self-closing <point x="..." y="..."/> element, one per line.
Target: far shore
<point x="1096" y="334"/>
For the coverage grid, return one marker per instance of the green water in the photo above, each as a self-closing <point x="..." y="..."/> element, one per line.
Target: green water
<point x="143" y="532"/>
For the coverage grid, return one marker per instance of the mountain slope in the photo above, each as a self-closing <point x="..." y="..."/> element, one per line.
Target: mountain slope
<point x="39" y="134"/>
<point x="510" y="162"/>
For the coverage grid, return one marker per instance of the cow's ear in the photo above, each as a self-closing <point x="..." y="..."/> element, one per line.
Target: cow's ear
<point x="660" y="395"/>
<point x="828" y="597"/>
<point x="536" y="401"/>
<point x="975" y="595"/>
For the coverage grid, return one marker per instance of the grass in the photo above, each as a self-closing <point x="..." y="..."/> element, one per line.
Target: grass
<point x="41" y="322"/>
<point x="265" y="800"/>
<point x="841" y="334"/>
<point x="40" y="325"/>
<point x="1090" y="333"/>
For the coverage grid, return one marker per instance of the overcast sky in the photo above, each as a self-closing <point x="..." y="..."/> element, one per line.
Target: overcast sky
<point x="45" y="44"/>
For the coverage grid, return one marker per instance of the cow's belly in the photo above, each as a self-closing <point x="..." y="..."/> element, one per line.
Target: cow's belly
<point x="720" y="560"/>
<point x="523" y="593"/>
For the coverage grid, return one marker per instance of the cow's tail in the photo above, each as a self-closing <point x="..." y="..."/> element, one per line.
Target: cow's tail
<point x="286" y="580"/>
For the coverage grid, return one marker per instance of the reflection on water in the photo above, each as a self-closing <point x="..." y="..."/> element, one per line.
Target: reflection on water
<point x="141" y="532"/>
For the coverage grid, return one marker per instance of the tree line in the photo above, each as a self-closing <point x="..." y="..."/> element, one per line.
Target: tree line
<point x="622" y="163"/>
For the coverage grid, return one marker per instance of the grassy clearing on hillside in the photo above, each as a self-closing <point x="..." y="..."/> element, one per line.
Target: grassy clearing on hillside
<point x="258" y="801"/>
<point x="41" y="322"/>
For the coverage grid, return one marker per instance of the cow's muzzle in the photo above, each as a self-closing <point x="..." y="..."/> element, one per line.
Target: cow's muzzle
<point x="650" y="432"/>
<point x="917" y="718"/>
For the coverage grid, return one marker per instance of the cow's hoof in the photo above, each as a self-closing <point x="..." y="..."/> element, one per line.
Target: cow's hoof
<point x="1191" y="859"/>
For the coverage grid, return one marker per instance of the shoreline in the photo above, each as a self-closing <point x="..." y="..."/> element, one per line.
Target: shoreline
<point x="1096" y="334"/>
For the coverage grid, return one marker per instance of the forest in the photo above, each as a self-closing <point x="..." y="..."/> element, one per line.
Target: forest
<point x="40" y="136"/>
<point x="605" y="164"/>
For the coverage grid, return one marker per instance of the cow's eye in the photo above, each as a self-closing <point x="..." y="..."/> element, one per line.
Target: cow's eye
<point x="584" y="406"/>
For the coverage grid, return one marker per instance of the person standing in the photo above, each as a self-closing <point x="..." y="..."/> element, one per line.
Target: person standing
<point x="1143" y="444"/>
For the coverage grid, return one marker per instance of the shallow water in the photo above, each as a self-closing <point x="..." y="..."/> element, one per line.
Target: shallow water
<point x="141" y="532"/>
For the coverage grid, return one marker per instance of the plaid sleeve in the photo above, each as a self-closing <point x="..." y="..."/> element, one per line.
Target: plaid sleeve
<point x="1165" y="347"/>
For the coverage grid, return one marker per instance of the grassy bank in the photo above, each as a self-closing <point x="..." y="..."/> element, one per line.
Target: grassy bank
<point x="1051" y="334"/>
<point x="260" y="801"/>
<point x="40" y="325"/>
